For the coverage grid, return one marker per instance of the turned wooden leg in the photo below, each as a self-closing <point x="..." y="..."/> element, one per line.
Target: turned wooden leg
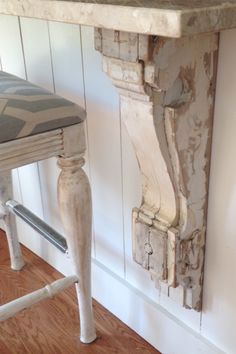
<point x="17" y="261"/>
<point x="75" y="205"/>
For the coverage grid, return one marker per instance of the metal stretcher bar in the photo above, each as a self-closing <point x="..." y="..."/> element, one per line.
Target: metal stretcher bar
<point x="38" y="225"/>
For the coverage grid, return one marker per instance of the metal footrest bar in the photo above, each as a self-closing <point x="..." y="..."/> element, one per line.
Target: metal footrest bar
<point x="38" y="224"/>
<point x="12" y="308"/>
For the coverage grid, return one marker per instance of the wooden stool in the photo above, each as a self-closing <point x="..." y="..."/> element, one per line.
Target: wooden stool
<point x="35" y="125"/>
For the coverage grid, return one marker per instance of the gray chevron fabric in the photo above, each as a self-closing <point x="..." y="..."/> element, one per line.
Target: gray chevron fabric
<point x="26" y="109"/>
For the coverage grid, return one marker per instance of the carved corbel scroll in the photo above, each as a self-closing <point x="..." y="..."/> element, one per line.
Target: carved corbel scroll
<point x="167" y="89"/>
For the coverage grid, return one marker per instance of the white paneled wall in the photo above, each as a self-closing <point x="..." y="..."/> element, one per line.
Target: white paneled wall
<point x="61" y="58"/>
<point x="102" y="105"/>
<point x="219" y="311"/>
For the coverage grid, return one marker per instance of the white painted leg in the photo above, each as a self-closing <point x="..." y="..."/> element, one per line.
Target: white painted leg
<point x="17" y="261"/>
<point x="75" y="205"/>
<point x="11" y="308"/>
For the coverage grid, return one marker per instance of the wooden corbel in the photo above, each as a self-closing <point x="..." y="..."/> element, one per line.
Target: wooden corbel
<point x="167" y="89"/>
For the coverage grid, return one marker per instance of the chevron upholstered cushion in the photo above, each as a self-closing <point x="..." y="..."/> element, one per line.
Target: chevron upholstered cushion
<point x="26" y="109"/>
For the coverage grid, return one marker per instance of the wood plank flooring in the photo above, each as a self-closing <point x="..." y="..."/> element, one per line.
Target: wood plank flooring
<point x="52" y="326"/>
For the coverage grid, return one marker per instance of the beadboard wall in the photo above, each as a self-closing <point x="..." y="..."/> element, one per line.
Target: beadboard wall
<point x="61" y="58"/>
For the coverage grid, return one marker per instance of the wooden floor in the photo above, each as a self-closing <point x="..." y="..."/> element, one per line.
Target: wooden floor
<point x="52" y="327"/>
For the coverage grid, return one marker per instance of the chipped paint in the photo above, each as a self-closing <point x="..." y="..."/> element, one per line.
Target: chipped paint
<point x="169" y="120"/>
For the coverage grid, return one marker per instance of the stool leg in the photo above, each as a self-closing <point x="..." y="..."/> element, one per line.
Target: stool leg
<point x="74" y="198"/>
<point x="17" y="261"/>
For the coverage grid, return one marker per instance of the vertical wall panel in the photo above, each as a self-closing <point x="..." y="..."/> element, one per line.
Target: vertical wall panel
<point x="103" y="121"/>
<point x="68" y="81"/>
<point x="37" y="53"/>
<point x="38" y="70"/>
<point x="219" y="311"/>
<point x="67" y="67"/>
<point x="12" y="59"/>
<point x="67" y="61"/>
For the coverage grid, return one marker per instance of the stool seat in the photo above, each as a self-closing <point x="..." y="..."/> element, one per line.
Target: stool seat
<point x="26" y="109"/>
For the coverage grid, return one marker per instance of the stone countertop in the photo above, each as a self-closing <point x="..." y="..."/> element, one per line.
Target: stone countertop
<point x="168" y="18"/>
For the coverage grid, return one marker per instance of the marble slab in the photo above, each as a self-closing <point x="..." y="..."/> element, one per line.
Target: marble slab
<point x="169" y="18"/>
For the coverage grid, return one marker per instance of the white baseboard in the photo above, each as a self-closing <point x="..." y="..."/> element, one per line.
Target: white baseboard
<point x="151" y="321"/>
<point x="156" y="325"/>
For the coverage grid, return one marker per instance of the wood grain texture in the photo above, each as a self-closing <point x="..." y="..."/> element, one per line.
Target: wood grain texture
<point x="166" y="104"/>
<point x="52" y="326"/>
<point x="75" y="203"/>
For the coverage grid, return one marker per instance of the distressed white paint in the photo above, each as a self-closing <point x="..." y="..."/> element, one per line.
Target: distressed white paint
<point x="74" y="196"/>
<point x="75" y="206"/>
<point x="218" y="319"/>
<point x="169" y="119"/>
<point x="6" y="192"/>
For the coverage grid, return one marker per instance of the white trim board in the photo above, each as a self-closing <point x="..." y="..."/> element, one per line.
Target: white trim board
<point x="156" y="325"/>
<point x="151" y="321"/>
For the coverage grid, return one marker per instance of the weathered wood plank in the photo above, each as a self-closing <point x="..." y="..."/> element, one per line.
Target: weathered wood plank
<point x="167" y="107"/>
